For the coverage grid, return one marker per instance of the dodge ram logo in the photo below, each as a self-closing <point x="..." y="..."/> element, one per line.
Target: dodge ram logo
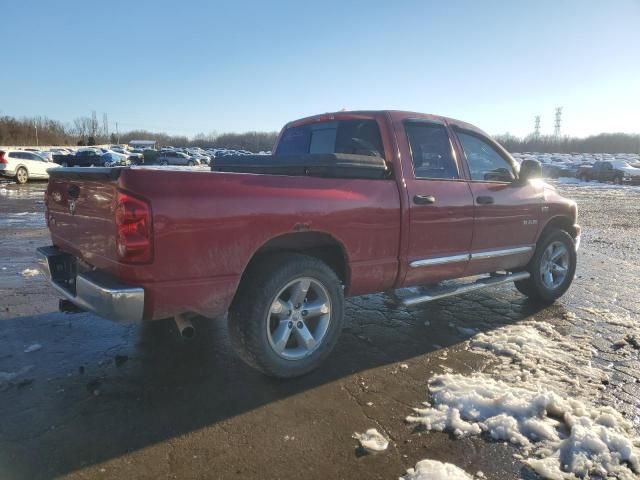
<point x="72" y="207"/>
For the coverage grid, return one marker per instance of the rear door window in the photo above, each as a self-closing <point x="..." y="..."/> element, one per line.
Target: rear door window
<point x="357" y="137"/>
<point x="431" y="150"/>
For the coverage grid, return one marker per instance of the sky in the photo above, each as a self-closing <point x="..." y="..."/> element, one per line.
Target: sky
<point x="184" y="67"/>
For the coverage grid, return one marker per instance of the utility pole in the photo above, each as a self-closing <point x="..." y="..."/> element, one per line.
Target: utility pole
<point x="558" y="122"/>
<point x="536" y="128"/>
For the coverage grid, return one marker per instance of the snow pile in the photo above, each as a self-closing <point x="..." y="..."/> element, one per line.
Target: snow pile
<point x="535" y="352"/>
<point x="30" y="272"/>
<point x="372" y="440"/>
<point x="533" y="404"/>
<point x="435" y="470"/>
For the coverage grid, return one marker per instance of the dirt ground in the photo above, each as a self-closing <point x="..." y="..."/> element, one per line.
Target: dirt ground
<point x="95" y="399"/>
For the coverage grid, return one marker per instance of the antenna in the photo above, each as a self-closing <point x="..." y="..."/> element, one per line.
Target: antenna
<point x="558" y="122"/>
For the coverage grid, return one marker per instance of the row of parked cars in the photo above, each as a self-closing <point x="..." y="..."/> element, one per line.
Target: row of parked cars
<point x="30" y="163"/>
<point x="621" y="168"/>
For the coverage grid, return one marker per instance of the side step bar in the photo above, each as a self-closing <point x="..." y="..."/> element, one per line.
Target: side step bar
<point x="438" y="293"/>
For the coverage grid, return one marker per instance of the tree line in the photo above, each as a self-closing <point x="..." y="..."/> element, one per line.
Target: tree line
<point x="601" y="143"/>
<point x="90" y="131"/>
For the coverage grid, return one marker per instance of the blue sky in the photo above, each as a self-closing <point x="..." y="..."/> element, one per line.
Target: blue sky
<point x="198" y="66"/>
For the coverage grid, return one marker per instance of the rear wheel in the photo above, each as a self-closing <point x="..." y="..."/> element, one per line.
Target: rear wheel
<point x="552" y="268"/>
<point x="190" y="163"/>
<point x="287" y="315"/>
<point x="22" y="176"/>
<point x="164" y="162"/>
<point x="617" y="180"/>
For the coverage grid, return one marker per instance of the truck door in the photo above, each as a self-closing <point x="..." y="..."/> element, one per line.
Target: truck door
<point x="440" y="203"/>
<point x="506" y="212"/>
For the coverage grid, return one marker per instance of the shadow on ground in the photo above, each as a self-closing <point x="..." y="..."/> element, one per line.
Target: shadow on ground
<point x="97" y="390"/>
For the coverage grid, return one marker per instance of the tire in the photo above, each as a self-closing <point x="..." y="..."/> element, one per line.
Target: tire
<point x="617" y="180"/>
<point x="22" y="176"/>
<point x="164" y="162"/>
<point x="190" y="163"/>
<point x="267" y="329"/>
<point x="549" y="284"/>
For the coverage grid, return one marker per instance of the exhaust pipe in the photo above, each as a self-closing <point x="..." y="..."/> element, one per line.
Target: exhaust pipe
<point x="185" y="327"/>
<point x="67" y="306"/>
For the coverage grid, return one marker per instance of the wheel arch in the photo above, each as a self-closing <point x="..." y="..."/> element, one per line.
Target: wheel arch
<point x="561" y="222"/>
<point x="320" y="245"/>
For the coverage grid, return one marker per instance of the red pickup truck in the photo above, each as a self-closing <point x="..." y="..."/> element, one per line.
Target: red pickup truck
<point x="350" y="203"/>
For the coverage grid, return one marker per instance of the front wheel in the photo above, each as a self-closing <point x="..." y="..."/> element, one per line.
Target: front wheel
<point x="552" y="268"/>
<point x="287" y="315"/>
<point x="22" y="176"/>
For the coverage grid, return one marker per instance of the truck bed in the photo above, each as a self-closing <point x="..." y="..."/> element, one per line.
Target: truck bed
<point x="208" y="225"/>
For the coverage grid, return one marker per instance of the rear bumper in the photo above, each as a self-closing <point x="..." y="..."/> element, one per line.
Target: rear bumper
<point x="91" y="290"/>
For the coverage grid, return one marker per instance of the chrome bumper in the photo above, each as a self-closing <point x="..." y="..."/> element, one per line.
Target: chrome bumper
<point x="91" y="290"/>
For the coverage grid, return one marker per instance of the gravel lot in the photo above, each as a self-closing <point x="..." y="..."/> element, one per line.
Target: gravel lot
<point x="81" y="397"/>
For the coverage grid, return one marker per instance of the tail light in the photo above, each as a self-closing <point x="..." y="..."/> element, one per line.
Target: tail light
<point x="133" y="224"/>
<point x="3" y="160"/>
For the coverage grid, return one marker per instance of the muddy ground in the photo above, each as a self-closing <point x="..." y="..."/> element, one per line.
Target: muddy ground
<point x="95" y="399"/>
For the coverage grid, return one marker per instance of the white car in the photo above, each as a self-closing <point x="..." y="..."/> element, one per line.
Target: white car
<point x="23" y="165"/>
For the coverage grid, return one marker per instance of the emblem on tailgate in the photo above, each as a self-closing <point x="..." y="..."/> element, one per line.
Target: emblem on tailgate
<point x="72" y="207"/>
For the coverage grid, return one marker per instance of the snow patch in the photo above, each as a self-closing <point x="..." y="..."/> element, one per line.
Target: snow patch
<point x="372" y="440"/>
<point x="435" y="470"/>
<point x="30" y="272"/>
<point x="33" y="348"/>
<point x="533" y="403"/>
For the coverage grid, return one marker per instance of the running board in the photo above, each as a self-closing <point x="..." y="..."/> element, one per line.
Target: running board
<point x="449" y="291"/>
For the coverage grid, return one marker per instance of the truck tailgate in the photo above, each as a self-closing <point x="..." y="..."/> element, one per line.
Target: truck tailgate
<point x="80" y="209"/>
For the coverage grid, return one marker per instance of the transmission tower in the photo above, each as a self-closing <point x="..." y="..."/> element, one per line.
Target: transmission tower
<point x="536" y="128"/>
<point x="105" y="125"/>
<point x="558" y="122"/>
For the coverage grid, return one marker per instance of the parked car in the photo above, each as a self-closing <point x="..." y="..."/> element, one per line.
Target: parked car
<point x="82" y="158"/>
<point x="202" y="158"/>
<point x="387" y="200"/>
<point x="112" y="159"/>
<point x="618" y="172"/>
<point x="176" y="158"/>
<point x="23" y="165"/>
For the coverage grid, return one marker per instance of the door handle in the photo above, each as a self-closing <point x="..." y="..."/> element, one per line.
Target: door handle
<point x="484" y="200"/>
<point x="424" y="199"/>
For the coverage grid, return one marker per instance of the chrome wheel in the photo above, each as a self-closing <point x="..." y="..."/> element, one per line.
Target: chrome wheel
<point x="21" y="175"/>
<point x="298" y="318"/>
<point x="554" y="265"/>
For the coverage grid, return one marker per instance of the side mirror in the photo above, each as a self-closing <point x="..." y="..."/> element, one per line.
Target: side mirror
<point x="529" y="169"/>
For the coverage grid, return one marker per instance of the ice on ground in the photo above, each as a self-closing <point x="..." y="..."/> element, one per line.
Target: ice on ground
<point x="538" y="398"/>
<point x="535" y="352"/>
<point x="372" y="440"/>
<point x="33" y="348"/>
<point x="9" y="376"/>
<point x="435" y="470"/>
<point x="30" y="272"/>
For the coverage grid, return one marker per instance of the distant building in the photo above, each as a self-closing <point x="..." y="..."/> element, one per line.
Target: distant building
<point x="142" y="143"/>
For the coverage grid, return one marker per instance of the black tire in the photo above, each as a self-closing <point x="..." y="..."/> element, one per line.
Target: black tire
<point x="534" y="287"/>
<point x="22" y="176"/>
<point x="249" y="315"/>
<point x="164" y="162"/>
<point x="190" y="163"/>
<point x="617" y="180"/>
